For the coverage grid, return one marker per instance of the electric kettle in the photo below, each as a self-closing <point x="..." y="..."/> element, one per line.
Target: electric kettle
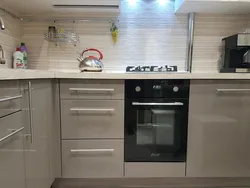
<point x="91" y="63"/>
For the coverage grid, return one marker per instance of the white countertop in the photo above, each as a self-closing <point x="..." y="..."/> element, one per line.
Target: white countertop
<point x="13" y="74"/>
<point x="10" y="74"/>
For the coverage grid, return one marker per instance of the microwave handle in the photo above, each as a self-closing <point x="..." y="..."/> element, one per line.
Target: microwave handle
<point x="158" y="104"/>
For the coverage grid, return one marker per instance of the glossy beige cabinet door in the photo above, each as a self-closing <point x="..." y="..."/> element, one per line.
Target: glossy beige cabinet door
<point x="37" y="146"/>
<point x="219" y="129"/>
<point x="92" y="119"/>
<point x="12" y="173"/>
<point x="54" y="130"/>
<point x="92" y="158"/>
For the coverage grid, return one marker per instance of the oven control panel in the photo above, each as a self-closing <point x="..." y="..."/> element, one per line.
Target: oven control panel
<point x="157" y="88"/>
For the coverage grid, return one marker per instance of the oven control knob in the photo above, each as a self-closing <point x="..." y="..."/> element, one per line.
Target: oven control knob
<point x="175" y="89"/>
<point x="138" y="89"/>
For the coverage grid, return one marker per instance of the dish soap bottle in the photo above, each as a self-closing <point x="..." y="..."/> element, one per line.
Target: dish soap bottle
<point x="24" y="50"/>
<point x="18" y="59"/>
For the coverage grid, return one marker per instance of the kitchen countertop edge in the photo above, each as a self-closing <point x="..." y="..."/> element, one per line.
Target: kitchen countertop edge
<point x="10" y="74"/>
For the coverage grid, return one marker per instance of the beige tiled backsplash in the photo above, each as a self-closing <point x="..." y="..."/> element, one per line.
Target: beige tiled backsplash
<point x="9" y="39"/>
<point x="209" y="30"/>
<point x="149" y="34"/>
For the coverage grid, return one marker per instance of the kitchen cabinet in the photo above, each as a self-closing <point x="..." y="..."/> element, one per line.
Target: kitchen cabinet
<point x="12" y="151"/>
<point x="213" y="6"/>
<point x="219" y="131"/>
<point x="37" y="118"/>
<point x="92" y="123"/>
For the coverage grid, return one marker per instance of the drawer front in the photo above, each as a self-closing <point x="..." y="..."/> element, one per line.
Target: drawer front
<point x="10" y="97"/>
<point x="92" y="158"/>
<point x="92" y="119"/>
<point x="92" y="89"/>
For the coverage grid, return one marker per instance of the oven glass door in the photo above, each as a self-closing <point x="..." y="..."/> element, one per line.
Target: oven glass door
<point x="156" y="130"/>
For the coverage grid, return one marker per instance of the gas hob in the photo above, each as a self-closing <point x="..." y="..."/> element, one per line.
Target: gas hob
<point x="142" y="69"/>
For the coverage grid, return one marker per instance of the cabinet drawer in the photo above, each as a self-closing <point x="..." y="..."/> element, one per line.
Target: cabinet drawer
<point x="92" y="89"/>
<point x="10" y="97"/>
<point x="92" y="158"/>
<point x="92" y="119"/>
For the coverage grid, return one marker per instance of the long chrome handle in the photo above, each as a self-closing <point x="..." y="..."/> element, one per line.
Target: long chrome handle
<point x="91" y="150"/>
<point x="93" y="109"/>
<point x="11" y="134"/>
<point x="158" y="104"/>
<point x="92" y="89"/>
<point x="11" y="98"/>
<point x="30" y="111"/>
<point x="232" y="90"/>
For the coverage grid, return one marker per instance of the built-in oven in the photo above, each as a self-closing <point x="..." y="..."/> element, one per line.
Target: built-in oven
<point x="156" y="120"/>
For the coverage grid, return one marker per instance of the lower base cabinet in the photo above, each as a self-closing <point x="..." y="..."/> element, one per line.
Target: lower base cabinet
<point x="219" y="130"/>
<point x="37" y="104"/>
<point x="92" y="158"/>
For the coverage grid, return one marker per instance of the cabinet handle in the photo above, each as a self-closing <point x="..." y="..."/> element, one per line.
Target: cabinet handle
<point x="232" y="90"/>
<point x="11" y="134"/>
<point x="76" y="151"/>
<point x="110" y="110"/>
<point x="92" y="89"/>
<point x="158" y="104"/>
<point x="30" y="111"/>
<point x="11" y="98"/>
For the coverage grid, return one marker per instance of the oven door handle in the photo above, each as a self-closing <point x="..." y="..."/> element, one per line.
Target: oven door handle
<point x="158" y="104"/>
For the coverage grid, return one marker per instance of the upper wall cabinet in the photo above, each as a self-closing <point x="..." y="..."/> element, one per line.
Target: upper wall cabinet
<point x="63" y="8"/>
<point x="213" y="6"/>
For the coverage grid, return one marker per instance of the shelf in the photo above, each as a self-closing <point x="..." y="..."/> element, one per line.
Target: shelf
<point x="213" y="6"/>
<point x="66" y="37"/>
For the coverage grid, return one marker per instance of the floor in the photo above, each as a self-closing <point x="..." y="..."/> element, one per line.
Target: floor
<point x="154" y="183"/>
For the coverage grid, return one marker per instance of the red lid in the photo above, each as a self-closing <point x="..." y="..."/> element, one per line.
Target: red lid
<point x="17" y="49"/>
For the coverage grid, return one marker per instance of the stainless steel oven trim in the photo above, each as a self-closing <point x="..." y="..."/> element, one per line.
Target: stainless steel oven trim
<point x="158" y="104"/>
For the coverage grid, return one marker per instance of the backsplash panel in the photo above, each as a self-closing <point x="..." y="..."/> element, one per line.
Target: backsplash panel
<point x="10" y="38"/>
<point x="209" y="31"/>
<point x="149" y="34"/>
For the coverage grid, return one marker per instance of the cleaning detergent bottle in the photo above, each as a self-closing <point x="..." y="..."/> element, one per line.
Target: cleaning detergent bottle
<point x="24" y="50"/>
<point x="18" y="62"/>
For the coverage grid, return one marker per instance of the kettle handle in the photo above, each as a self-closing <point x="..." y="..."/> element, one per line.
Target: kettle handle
<point x="93" y="49"/>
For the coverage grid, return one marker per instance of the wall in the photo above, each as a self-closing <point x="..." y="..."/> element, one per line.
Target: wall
<point x="209" y="30"/>
<point x="9" y="38"/>
<point x="150" y="34"/>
